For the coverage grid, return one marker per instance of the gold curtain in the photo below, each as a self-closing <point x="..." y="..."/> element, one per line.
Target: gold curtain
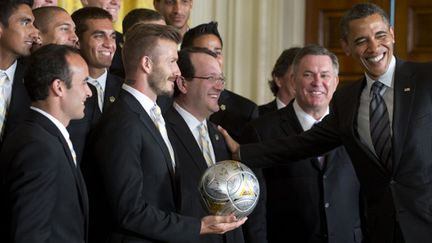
<point x="126" y="6"/>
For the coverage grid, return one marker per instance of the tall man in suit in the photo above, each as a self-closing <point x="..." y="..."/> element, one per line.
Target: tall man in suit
<point x="17" y="35"/>
<point x="197" y="142"/>
<point x="396" y="183"/>
<point x="315" y="200"/>
<point x="281" y="84"/>
<point x="235" y="111"/>
<point x="55" y="26"/>
<point x="97" y="44"/>
<point x="43" y="195"/>
<point x="134" y="160"/>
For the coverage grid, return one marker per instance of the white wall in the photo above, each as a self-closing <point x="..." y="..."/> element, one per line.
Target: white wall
<point x="254" y="32"/>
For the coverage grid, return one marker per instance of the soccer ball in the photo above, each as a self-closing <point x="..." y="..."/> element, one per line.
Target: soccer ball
<point x="229" y="187"/>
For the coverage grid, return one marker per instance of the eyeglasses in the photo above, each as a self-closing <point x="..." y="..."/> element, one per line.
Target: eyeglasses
<point x="213" y="79"/>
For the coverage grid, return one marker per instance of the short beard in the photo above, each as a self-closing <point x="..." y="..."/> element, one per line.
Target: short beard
<point x="154" y="86"/>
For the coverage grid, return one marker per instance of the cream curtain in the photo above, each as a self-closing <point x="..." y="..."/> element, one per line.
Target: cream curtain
<point x="255" y="32"/>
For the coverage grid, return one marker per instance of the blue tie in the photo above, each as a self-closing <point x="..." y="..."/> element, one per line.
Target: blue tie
<point x="380" y="126"/>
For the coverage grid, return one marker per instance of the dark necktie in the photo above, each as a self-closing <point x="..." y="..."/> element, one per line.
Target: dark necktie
<point x="380" y="126"/>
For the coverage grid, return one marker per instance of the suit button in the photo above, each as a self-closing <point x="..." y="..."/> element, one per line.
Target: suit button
<point x="324" y="177"/>
<point x="392" y="182"/>
<point x="326" y="205"/>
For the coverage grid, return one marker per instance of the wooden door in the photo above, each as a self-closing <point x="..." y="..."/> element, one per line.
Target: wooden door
<point x="413" y="35"/>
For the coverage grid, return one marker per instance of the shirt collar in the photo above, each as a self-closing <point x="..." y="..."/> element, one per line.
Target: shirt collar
<point x="143" y="99"/>
<point x="54" y="120"/>
<point x="306" y="120"/>
<point x="279" y="103"/>
<point x="10" y="71"/>
<point x="102" y="79"/>
<point x="190" y="120"/>
<point x="387" y="78"/>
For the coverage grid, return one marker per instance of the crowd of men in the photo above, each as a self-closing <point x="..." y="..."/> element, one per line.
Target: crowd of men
<point x="104" y="136"/>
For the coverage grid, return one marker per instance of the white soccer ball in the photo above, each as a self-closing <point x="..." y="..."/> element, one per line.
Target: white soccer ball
<point x="229" y="187"/>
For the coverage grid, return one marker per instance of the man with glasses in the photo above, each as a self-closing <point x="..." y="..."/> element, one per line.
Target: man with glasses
<point x="198" y="143"/>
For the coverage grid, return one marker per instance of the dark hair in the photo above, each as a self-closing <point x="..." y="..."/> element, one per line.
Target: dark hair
<point x="141" y="41"/>
<point x="185" y="65"/>
<point x="316" y="50"/>
<point x="200" y="30"/>
<point x="81" y="16"/>
<point x="359" y="11"/>
<point x="281" y="66"/>
<point x="140" y="15"/>
<point x="8" y="7"/>
<point x="44" y="15"/>
<point x="48" y="63"/>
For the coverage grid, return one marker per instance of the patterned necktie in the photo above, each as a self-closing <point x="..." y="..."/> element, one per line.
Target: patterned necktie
<point x="3" y="105"/>
<point x="74" y="157"/>
<point x="100" y="92"/>
<point x="380" y="126"/>
<point x="205" y="148"/>
<point x="160" y="124"/>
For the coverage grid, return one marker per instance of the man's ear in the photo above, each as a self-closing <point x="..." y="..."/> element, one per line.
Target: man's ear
<point x="146" y="64"/>
<point x="345" y="47"/>
<point x="57" y="87"/>
<point x="182" y="85"/>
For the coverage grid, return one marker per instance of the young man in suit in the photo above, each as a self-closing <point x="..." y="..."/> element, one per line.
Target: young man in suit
<point x="55" y="26"/>
<point x="315" y="200"/>
<point x="43" y="195"/>
<point x="197" y="142"/>
<point x="97" y="43"/>
<point x="17" y="35"/>
<point x="235" y="111"/>
<point x="394" y="172"/>
<point x="133" y="159"/>
<point x="281" y="84"/>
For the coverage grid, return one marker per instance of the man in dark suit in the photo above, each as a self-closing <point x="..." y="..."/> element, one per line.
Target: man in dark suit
<point x="281" y="84"/>
<point x="197" y="142"/>
<point x="317" y="199"/>
<point x="235" y="111"/>
<point x="133" y="159"/>
<point x="396" y="184"/>
<point x="96" y="37"/>
<point x="43" y="195"/>
<point x="16" y="41"/>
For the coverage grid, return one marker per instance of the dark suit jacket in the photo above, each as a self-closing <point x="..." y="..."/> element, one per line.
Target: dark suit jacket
<point x="267" y="108"/>
<point x="20" y="101"/>
<point x="307" y="202"/>
<point x="404" y="194"/>
<point x="43" y="196"/>
<point x="79" y="129"/>
<point x="116" y="67"/>
<point x="191" y="165"/>
<point x="235" y="111"/>
<point x="134" y="178"/>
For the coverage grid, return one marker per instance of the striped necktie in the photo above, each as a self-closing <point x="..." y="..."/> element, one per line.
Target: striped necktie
<point x="205" y="148"/>
<point x="3" y="105"/>
<point x="160" y="124"/>
<point x="380" y="126"/>
<point x="100" y="92"/>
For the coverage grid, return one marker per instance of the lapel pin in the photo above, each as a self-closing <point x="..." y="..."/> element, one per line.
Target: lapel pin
<point x="407" y="89"/>
<point x="222" y="107"/>
<point x="217" y="137"/>
<point x="112" y="99"/>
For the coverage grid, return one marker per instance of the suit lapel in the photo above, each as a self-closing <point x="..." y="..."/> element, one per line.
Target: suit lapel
<point x="112" y="88"/>
<point x="182" y="131"/>
<point x="151" y="127"/>
<point x="219" y="147"/>
<point x="404" y="92"/>
<point x="52" y="129"/>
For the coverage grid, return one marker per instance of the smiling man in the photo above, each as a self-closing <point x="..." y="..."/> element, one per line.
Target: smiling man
<point x="55" y="26"/>
<point x="383" y="120"/>
<point x="17" y="35"/>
